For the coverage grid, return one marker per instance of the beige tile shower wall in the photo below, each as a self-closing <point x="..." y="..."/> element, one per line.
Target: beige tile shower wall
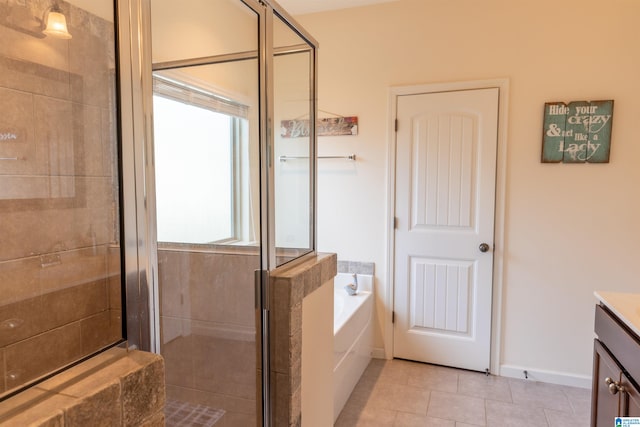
<point x="208" y="330"/>
<point x="212" y="292"/>
<point x="60" y="100"/>
<point x="59" y="258"/>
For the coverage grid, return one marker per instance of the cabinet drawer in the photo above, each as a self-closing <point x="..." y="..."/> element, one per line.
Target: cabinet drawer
<point x="619" y="340"/>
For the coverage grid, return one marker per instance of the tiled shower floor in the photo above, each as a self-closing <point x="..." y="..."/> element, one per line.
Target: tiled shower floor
<point x="210" y="381"/>
<point x="399" y="393"/>
<point x="179" y="414"/>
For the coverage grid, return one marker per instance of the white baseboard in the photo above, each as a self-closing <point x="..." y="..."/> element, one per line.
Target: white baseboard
<point x="561" y="378"/>
<point x="378" y="353"/>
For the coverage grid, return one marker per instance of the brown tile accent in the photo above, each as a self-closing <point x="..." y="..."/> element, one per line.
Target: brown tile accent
<point x="21" y="320"/>
<point x="113" y="258"/>
<point x="296" y="402"/>
<point x="75" y="303"/>
<point x="91" y="394"/>
<point x="19" y="279"/>
<point x="75" y="267"/>
<point x="36" y="356"/>
<point x="98" y="331"/>
<point x="54" y="420"/>
<point x="143" y="391"/>
<point x="19" y="403"/>
<point x="116" y="324"/>
<point x="34" y="407"/>
<point x="100" y="408"/>
<point x="31" y="76"/>
<point x="114" y="284"/>
<point x="30" y="277"/>
<point x="2" y="373"/>
<point x="156" y="420"/>
<point x="146" y="368"/>
<point x="290" y="284"/>
<point x="90" y="375"/>
<point x="282" y="399"/>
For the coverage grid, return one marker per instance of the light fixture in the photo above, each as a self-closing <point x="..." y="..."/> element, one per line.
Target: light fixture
<point x="55" y="23"/>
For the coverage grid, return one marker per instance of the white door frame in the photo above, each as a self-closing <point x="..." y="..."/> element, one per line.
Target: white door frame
<point x="498" y="254"/>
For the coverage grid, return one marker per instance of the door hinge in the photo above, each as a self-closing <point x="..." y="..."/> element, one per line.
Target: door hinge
<point x="395" y="222"/>
<point x="393" y="317"/>
<point x="261" y="278"/>
<point x="395" y="125"/>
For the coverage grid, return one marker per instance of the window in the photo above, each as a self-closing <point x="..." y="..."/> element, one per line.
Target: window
<point x="197" y="140"/>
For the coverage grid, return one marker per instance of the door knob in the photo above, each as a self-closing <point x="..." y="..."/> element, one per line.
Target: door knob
<point x="483" y="247"/>
<point x="614" y="387"/>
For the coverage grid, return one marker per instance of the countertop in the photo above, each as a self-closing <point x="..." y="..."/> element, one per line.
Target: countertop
<point x="625" y="306"/>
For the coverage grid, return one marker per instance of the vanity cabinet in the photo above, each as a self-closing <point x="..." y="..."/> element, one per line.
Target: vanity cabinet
<point x="633" y="398"/>
<point x="616" y="369"/>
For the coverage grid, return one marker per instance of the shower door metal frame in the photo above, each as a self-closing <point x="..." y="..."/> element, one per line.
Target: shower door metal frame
<point x="268" y="177"/>
<point x="141" y="300"/>
<point x="138" y="169"/>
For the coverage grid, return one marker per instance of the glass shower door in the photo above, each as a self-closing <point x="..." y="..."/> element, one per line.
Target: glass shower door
<point x="294" y="143"/>
<point x="60" y="210"/>
<point x="207" y="190"/>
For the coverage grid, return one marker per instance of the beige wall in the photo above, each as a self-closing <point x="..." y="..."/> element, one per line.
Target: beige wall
<point x="569" y="229"/>
<point x="200" y="28"/>
<point x="317" y="362"/>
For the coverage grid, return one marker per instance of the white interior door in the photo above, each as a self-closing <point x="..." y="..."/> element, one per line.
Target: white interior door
<point x="445" y="203"/>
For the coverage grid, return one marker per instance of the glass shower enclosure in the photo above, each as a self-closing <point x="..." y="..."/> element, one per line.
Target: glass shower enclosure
<point x="60" y="210"/>
<point x="217" y="209"/>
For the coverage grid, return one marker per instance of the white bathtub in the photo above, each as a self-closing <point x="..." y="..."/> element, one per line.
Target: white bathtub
<point x="352" y="336"/>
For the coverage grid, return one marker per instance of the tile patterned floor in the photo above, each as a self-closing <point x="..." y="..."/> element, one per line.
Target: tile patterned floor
<point x="184" y="414"/>
<point x="398" y="393"/>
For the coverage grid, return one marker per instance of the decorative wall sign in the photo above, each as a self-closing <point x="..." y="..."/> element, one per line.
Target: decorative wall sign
<point x="338" y="126"/>
<point x="577" y="132"/>
<point x="8" y="136"/>
<point x="332" y="126"/>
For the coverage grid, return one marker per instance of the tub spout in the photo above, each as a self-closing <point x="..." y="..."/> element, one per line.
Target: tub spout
<point x="352" y="288"/>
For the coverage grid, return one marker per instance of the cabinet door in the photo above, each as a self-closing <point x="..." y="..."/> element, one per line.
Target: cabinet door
<point x="631" y="398"/>
<point x="605" y="406"/>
